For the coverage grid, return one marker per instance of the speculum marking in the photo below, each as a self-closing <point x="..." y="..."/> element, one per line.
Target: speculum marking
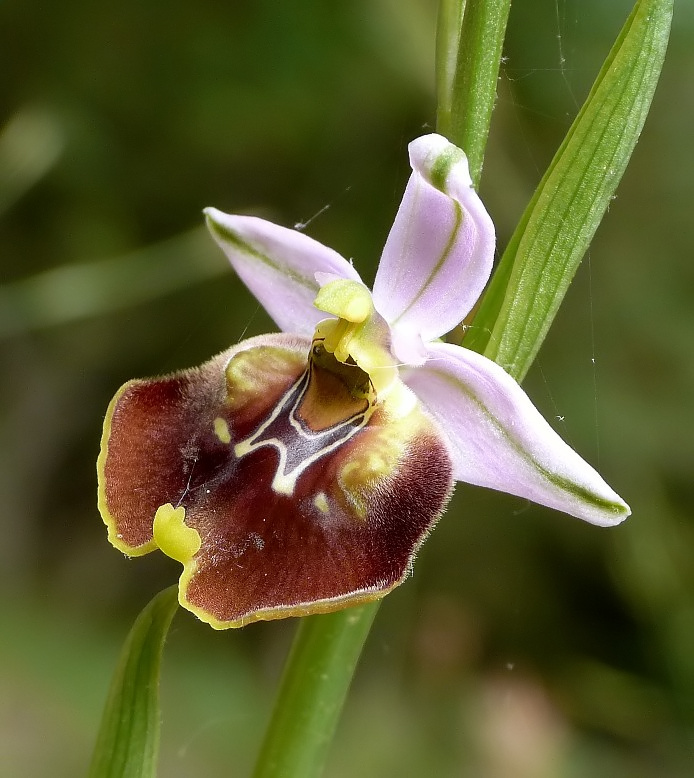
<point x="297" y="444"/>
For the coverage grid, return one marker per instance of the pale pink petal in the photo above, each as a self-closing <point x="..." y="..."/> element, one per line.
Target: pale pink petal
<point x="438" y="256"/>
<point x="279" y="266"/>
<point x="499" y="439"/>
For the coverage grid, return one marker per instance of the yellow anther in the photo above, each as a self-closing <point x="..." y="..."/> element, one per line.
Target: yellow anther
<point x="351" y="302"/>
<point x="358" y="309"/>
<point x="359" y="335"/>
<point x="345" y="299"/>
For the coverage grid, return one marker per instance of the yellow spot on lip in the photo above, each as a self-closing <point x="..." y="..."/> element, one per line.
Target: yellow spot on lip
<point x="221" y="430"/>
<point x="321" y="502"/>
<point x="172" y="535"/>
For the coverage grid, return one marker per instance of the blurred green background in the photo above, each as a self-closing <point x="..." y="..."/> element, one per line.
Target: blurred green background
<point x="526" y="644"/>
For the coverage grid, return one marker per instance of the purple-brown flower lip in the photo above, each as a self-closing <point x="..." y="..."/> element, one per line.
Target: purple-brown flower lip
<point x="301" y="498"/>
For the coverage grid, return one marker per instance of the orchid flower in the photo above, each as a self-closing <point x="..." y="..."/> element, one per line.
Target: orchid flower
<point x="299" y="472"/>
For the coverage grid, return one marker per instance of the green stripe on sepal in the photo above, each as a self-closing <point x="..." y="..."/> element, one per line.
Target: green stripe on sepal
<point x="234" y="239"/>
<point x="128" y="741"/>
<point x="570" y="201"/>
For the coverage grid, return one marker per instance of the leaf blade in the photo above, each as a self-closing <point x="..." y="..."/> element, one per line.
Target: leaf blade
<point x="127" y="744"/>
<point x="572" y="197"/>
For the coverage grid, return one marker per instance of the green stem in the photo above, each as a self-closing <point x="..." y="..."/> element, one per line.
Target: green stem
<point x="467" y="81"/>
<point x="449" y="28"/>
<point x="316" y="679"/>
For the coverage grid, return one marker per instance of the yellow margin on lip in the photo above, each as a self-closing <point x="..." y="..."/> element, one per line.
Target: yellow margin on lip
<point x="302" y="609"/>
<point x="102" y="502"/>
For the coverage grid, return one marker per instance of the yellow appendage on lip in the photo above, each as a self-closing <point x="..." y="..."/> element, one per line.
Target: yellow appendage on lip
<point x="172" y="535"/>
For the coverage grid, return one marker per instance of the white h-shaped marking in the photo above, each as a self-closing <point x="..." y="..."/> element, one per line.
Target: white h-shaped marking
<point x="306" y="448"/>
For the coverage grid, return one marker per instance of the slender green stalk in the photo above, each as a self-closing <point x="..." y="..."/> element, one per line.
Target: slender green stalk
<point x="467" y="77"/>
<point x="326" y="648"/>
<point x="449" y="28"/>
<point x="317" y="677"/>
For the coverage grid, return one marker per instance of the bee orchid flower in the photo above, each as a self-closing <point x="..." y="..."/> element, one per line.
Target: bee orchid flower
<point x="299" y="472"/>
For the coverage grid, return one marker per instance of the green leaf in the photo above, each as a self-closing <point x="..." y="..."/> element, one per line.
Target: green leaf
<point x="316" y="680"/>
<point x="128" y="741"/>
<point x="470" y="41"/>
<point x="570" y="201"/>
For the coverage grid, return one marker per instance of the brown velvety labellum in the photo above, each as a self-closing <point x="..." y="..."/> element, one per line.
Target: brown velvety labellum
<point x="308" y="492"/>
